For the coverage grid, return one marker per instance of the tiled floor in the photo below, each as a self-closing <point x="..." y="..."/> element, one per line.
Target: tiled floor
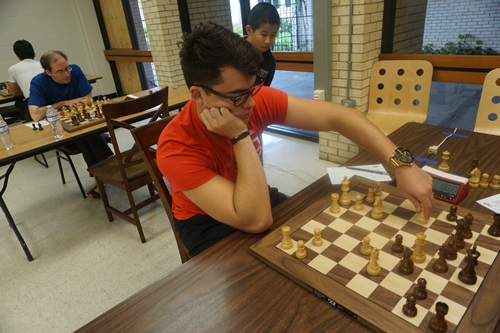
<point x="84" y="264"/>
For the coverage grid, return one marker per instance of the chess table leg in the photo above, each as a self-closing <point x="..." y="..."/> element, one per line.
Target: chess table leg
<point x="8" y="216"/>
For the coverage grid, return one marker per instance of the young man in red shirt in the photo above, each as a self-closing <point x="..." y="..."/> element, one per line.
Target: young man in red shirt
<point x="209" y="153"/>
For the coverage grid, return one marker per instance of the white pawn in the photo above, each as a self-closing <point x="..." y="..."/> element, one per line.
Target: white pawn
<point x="365" y="248"/>
<point x="359" y="202"/>
<point x="484" y="182"/>
<point x="370" y="197"/>
<point x="301" y="250"/>
<point x="378" y="190"/>
<point x="495" y="182"/>
<point x="317" y="241"/>
<point x="335" y="208"/>
<point x="373" y="267"/>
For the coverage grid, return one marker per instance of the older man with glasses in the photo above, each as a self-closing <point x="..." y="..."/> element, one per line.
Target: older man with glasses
<point x="61" y="85"/>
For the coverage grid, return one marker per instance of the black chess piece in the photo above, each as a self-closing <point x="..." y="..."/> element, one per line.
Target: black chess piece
<point x="494" y="229"/>
<point x="450" y="252"/>
<point x="420" y="291"/>
<point x="40" y="127"/>
<point x="398" y="247"/>
<point x="34" y="127"/>
<point x="406" y="264"/>
<point x="452" y="216"/>
<point x="459" y="234"/>
<point x="468" y="274"/>
<point x="468" y="219"/>
<point x="440" y="265"/>
<point x="409" y="309"/>
<point x="437" y="323"/>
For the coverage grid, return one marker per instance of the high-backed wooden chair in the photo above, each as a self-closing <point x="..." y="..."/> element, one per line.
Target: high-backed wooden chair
<point x="399" y="93"/>
<point x="146" y="138"/>
<point x="126" y="170"/>
<point x="488" y="114"/>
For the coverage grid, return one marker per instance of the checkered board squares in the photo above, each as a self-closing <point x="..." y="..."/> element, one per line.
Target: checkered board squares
<point x="84" y="123"/>
<point x="340" y="260"/>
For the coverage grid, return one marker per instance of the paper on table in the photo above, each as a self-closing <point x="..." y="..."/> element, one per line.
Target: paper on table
<point x="337" y="174"/>
<point x="43" y="122"/>
<point x="492" y="203"/>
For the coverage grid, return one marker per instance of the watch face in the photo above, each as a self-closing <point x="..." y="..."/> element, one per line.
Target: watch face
<point x="404" y="155"/>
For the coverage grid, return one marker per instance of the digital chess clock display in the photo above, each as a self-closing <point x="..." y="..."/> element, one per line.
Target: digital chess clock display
<point x="444" y="188"/>
<point x="448" y="187"/>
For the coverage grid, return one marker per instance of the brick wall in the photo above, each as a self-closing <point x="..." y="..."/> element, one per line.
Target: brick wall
<point x="164" y="30"/>
<point x="218" y="11"/>
<point x="409" y="26"/>
<point x="366" y="41"/>
<point x="480" y="18"/>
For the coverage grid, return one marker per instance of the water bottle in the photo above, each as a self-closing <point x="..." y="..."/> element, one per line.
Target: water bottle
<point x="7" y="141"/>
<point x="55" y="122"/>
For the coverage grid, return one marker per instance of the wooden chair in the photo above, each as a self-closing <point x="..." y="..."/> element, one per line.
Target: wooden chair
<point x="126" y="170"/>
<point x="487" y="119"/>
<point x="399" y="93"/>
<point x="146" y="138"/>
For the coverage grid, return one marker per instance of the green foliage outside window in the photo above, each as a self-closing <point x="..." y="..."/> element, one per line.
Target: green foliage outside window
<point x="465" y="45"/>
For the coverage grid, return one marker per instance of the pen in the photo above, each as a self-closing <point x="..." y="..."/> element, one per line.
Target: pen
<point x="368" y="170"/>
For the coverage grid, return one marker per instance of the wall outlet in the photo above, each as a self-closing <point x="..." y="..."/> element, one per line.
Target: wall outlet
<point x="319" y="94"/>
<point x="350" y="103"/>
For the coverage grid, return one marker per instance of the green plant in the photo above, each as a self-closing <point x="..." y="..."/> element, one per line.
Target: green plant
<point x="465" y="45"/>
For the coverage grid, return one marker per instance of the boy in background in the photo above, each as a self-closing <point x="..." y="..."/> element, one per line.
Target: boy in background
<point x="262" y="28"/>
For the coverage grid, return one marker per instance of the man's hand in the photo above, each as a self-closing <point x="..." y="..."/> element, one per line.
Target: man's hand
<point x="222" y="122"/>
<point x="416" y="185"/>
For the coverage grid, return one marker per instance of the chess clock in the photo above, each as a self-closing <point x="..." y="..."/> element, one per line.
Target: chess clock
<point x="448" y="187"/>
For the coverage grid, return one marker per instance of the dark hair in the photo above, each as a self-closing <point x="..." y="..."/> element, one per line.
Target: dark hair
<point x="263" y="13"/>
<point x="49" y="57"/>
<point x="24" y="50"/>
<point x="211" y="47"/>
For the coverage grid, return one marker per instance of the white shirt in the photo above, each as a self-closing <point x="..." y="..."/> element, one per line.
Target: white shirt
<point x="22" y="73"/>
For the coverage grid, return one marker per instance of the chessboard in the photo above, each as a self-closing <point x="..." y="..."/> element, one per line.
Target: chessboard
<point x="337" y="271"/>
<point x="5" y="93"/>
<point x="83" y="121"/>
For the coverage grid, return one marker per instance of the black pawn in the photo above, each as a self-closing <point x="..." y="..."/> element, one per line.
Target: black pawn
<point x="440" y="265"/>
<point x="34" y="126"/>
<point x="459" y="234"/>
<point x="452" y="216"/>
<point x="450" y="252"/>
<point x="398" y="247"/>
<point x="468" y="219"/>
<point x="468" y="274"/>
<point x="406" y="264"/>
<point x="494" y="229"/>
<point x="40" y="127"/>
<point x="420" y="291"/>
<point x="409" y="309"/>
<point x="437" y="323"/>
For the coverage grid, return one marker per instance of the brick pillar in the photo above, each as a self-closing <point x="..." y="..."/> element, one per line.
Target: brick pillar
<point x="366" y="41"/>
<point x="164" y="31"/>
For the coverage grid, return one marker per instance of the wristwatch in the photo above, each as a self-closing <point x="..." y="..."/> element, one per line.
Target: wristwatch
<point x="400" y="157"/>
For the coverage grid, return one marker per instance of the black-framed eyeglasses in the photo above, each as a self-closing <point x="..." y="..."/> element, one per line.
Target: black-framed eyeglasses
<point x="62" y="71"/>
<point x="238" y="100"/>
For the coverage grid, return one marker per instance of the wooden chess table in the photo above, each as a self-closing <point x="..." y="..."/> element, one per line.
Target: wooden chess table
<point x="227" y="289"/>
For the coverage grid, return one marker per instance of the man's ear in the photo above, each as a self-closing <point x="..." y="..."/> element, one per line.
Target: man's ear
<point x="196" y="94"/>
<point x="248" y="29"/>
